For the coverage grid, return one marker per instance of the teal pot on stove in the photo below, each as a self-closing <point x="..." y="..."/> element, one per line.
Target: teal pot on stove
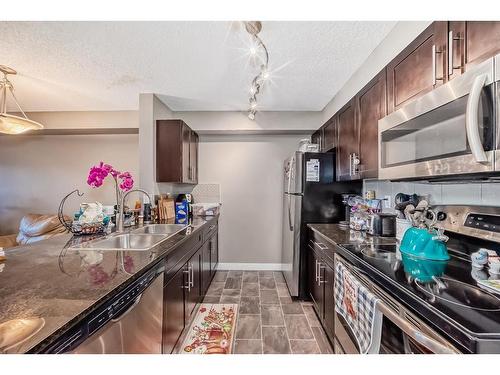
<point x="424" y="244"/>
<point x="423" y="270"/>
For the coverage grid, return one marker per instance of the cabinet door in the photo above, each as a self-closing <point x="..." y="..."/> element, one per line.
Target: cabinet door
<point x="214" y="253"/>
<point x="470" y="43"/>
<point x="348" y="141"/>
<point x="192" y="276"/>
<point x="317" y="138"/>
<point x="193" y="158"/>
<point x="371" y="107"/>
<point x="329" y="135"/>
<point x="205" y="267"/>
<point x="419" y="68"/>
<point x="314" y="284"/>
<point x="329" y="300"/>
<point x="186" y="149"/>
<point x="173" y="311"/>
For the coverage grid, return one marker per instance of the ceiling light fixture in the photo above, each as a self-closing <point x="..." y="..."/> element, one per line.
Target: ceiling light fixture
<point x="253" y="28"/>
<point x="10" y="124"/>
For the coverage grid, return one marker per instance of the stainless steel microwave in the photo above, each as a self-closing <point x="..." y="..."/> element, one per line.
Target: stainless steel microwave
<point x="450" y="131"/>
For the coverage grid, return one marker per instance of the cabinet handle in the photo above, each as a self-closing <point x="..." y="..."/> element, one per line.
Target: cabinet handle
<point x="320" y="267"/>
<point x="350" y="164"/>
<point x="188" y="272"/>
<point x="316" y="270"/>
<point x="191" y="278"/>
<point x="451" y="40"/>
<point x="355" y="163"/>
<point x="434" y="66"/>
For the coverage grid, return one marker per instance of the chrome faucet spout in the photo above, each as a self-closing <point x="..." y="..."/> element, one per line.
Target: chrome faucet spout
<point x="120" y="218"/>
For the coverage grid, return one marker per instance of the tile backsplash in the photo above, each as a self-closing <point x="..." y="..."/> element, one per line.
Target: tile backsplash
<point x="486" y="194"/>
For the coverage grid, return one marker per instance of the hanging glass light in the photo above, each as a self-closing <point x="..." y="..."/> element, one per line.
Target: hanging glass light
<point x="10" y="124"/>
<point x="253" y="28"/>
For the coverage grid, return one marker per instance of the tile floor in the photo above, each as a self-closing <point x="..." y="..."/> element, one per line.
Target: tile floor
<point x="269" y="321"/>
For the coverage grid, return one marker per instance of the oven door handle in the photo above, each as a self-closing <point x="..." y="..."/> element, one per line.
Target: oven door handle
<point x="421" y="338"/>
<point x="471" y="121"/>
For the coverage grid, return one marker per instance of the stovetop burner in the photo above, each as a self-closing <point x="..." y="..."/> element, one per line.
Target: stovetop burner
<point x="459" y="293"/>
<point x="385" y="253"/>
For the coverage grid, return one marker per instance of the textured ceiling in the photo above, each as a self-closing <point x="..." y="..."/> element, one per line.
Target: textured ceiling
<point x="66" y="66"/>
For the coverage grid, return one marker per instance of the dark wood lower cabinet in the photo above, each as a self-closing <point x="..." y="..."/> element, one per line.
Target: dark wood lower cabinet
<point x="187" y="288"/>
<point x="315" y="286"/>
<point x="321" y="276"/>
<point x="329" y="300"/>
<point x="192" y="279"/>
<point x="205" y="267"/>
<point x="173" y="311"/>
<point x="214" y="253"/>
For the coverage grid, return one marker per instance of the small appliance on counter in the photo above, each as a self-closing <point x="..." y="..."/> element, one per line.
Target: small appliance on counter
<point x="382" y="224"/>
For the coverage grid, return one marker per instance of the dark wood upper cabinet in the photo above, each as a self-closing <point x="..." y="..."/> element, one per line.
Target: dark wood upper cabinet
<point x="470" y="43"/>
<point x="419" y="68"/>
<point x="317" y="138"/>
<point x="347" y="140"/>
<point x="329" y="135"/>
<point x="371" y="107"/>
<point x="176" y="152"/>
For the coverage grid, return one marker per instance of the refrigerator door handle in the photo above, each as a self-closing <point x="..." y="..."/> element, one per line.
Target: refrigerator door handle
<point x="289" y="213"/>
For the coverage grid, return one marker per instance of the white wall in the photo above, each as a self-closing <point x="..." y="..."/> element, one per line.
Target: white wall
<point x="249" y="170"/>
<point x="36" y="172"/>
<point x="239" y="121"/>
<point x="397" y="39"/>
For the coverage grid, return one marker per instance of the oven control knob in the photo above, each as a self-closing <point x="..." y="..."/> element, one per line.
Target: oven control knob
<point x="441" y="216"/>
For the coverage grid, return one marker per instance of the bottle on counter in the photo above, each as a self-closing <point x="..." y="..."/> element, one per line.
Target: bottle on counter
<point x="181" y="209"/>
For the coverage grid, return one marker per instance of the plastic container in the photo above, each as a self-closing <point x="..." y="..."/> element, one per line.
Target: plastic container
<point x="206" y="209"/>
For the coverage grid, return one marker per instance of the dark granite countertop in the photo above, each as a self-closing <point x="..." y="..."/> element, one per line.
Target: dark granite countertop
<point x="53" y="286"/>
<point x="339" y="235"/>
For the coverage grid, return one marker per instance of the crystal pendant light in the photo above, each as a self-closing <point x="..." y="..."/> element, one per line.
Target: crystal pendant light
<point x="10" y="124"/>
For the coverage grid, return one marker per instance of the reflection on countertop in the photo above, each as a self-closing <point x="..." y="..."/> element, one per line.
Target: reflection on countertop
<point x="340" y="235"/>
<point x="49" y="281"/>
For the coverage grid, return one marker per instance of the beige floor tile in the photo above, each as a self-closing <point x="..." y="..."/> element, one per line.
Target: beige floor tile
<point x="247" y="347"/>
<point x="231" y="292"/>
<point x="292" y="308"/>
<point x="248" y="327"/>
<point x="275" y="340"/>
<point x="278" y="276"/>
<point x="298" y="327"/>
<point x="233" y="283"/>
<point x="267" y="283"/>
<point x="250" y="289"/>
<point x="272" y="315"/>
<point x="311" y="316"/>
<point x="251" y="276"/>
<point x="250" y="305"/>
<point x="304" y="347"/>
<point x="269" y="296"/>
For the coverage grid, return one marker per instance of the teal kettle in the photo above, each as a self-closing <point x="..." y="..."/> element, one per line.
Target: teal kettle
<point x="427" y="244"/>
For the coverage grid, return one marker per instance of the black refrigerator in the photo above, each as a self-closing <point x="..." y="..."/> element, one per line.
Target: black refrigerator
<point x="310" y="195"/>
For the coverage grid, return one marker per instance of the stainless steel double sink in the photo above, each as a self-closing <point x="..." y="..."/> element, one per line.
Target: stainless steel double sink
<point x="140" y="239"/>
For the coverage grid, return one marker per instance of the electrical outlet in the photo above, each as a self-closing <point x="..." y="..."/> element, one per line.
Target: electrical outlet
<point x="387" y="201"/>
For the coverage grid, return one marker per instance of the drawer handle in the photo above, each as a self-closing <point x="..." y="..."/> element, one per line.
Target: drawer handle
<point x="434" y="66"/>
<point x="322" y="246"/>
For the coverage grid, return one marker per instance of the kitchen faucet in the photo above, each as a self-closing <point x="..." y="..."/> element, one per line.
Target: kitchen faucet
<point x="120" y="218"/>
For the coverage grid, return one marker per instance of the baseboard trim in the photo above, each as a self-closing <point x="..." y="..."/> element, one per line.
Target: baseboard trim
<point x="250" y="266"/>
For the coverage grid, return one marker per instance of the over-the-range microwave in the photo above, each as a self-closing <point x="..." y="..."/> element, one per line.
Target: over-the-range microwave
<point x="447" y="133"/>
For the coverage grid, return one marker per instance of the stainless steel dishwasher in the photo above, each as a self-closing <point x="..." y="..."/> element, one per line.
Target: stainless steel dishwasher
<point x="130" y="323"/>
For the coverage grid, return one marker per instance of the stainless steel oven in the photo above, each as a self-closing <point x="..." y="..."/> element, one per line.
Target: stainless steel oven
<point x="451" y="130"/>
<point x="402" y="331"/>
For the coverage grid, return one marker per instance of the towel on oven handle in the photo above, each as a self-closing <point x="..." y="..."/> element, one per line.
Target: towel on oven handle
<point x="358" y="306"/>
